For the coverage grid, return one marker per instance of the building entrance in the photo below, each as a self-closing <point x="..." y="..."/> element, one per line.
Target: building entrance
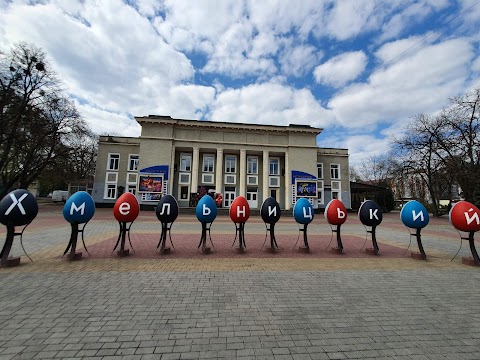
<point x="252" y="197"/>
<point x="230" y="195"/>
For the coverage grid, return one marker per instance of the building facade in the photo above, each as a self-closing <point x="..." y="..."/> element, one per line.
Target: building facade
<point x="190" y="158"/>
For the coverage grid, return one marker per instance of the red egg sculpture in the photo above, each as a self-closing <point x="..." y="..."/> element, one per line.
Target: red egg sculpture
<point x="126" y="208"/>
<point x="239" y="210"/>
<point x="335" y="212"/>
<point x="465" y="216"/>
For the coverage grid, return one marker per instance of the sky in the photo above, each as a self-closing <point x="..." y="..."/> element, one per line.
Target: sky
<point x="358" y="69"/>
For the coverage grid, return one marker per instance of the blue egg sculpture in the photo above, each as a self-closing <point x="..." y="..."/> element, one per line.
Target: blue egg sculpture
<point x="79" y="208"/>
<point x="303" y="211"/>
<point x="206" y="209"/>
<point x="414" y="215"/>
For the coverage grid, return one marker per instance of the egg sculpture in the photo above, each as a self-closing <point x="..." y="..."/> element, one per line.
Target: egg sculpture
<point x="336" y="215"/>
<point x="167" y="212"/>
<point x="303" y="214"/>
<point x="415" y="216"/>
<point x="270" y="212"/>
<point x="370" y="214"/>
<point x="465" y="216"/>
<point x="206" y="212"/>
<point x="78" y="209"/>
<point x="17" y="208"/>
<point x="126" y="208"/>
<point x="239" y="213"/>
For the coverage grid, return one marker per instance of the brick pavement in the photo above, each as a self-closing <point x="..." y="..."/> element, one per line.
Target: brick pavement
<point x="225" y="305"/>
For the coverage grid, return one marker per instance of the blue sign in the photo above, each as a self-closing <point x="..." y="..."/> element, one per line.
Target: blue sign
<point x="157" y="169"/>
<point x="79" y="208"/>
<point x="302" y="175"/>
<point x="206" y="209"/>
<point x="303" y="211"/>
<point x="414" y="215"/>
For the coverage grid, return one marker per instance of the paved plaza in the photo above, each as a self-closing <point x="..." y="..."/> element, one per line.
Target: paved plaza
<point x="225" y="305"/>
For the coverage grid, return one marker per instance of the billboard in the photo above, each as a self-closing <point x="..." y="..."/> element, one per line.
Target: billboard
<point x="150" y="183"/>
<point x="306" y="188"/>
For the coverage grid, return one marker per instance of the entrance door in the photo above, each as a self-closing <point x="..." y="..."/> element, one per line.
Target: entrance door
<point x="252" y="199"/>
<point x="228" y="198"/>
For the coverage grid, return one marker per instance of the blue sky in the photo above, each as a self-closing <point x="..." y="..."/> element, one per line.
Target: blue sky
<point x="359" y="69"/>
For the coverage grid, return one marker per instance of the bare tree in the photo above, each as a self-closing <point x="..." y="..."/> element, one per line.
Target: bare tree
<point x="37" y="118"/>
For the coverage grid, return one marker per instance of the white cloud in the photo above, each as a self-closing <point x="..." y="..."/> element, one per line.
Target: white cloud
<point x="476" y="65"/>
<point x="395" y="50"/>
<point x="269" y="103"/>
<point x="419" y="83"/>
<point x="298" y="60"/>
<point x="349" y="18"/>
<point x="341" y="69"/>
<point x="108" y="122"/>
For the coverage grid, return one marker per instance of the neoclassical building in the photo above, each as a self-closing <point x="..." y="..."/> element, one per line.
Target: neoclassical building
<point x="190" y="158"/>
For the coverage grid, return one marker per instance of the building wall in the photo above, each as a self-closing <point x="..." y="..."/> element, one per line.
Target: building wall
<point x="164" y="141"/>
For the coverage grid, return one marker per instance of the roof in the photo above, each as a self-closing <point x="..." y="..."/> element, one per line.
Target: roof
<point x="161" y="119"/>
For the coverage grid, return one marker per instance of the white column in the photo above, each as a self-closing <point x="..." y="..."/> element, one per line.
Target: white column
<point x="288" y="186"/>
<point x="243" y="172"/>
<point x="195" y="161"/>
<point x="219" y="172"/>
<point x="265" y="175"/>
<point x="171" y="174"/>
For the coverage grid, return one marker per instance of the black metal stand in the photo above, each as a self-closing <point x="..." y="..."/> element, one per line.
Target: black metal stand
<point x="375" y="249"/>
<point x="203" y="240"/>
<point x="163" y="238"/>
<point x="124" y="230"/>
<point x="72" y="245"/>
<point x="240" y="232"/>
<point x="7" y="246"/>
<point x="339" y="239"/>
<point x="471" y="242"/>
<point x="419" y="242"/>
<point x="305" y="239"/>
<point x="273" y="242"/>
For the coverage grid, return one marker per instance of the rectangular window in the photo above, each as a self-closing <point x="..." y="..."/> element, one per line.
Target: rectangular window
<point x="184" y="178"/>
<point x="230" y="179"/>
<point x="230" y="164"/>
<point x="252" y="180"/>
<point x="184" y="192"/>
<point x="274" y="167"/>
<point x="319" y="171"/>
<point x="131" y="183"/>
<point x="334" y="171"/>
<point x="113" y="162"/>
<point x="320" y="192"/>
<point x="111" y="185"/>
<point x="208" y="163"/>
<point x="207" y="178"/>
<point x="252" y="165"/>
<point x="185" y="162"/>
<point x="336" y="190"/>
<point x="274" y="181"/>
<point x="132" y="162"/>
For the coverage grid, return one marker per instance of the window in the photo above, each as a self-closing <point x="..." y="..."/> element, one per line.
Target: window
<point x="113" y="161"/>
<point x="274" y="181"/>
<point x="208" y="161"/>
<point x="252" y="180"/>
<point x="230" y="164"/>
<point x="184" y="178"/>
<point x="336" y="190"/>
<point x="334" y="171"/>
<point x="207" y="178"/>
<point x="320" y="192"/>
<point x="132" y="162"/>
<point x="185" y="162"/>
<point x="274" y="166"/>
<point x="252" y="165"/>
<point x="110" y="185"/>
<point x="230" y="179"/>
<point x="319" y="171"/>
<point x="131" y="183"/>
<point x="184" y="192"/>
